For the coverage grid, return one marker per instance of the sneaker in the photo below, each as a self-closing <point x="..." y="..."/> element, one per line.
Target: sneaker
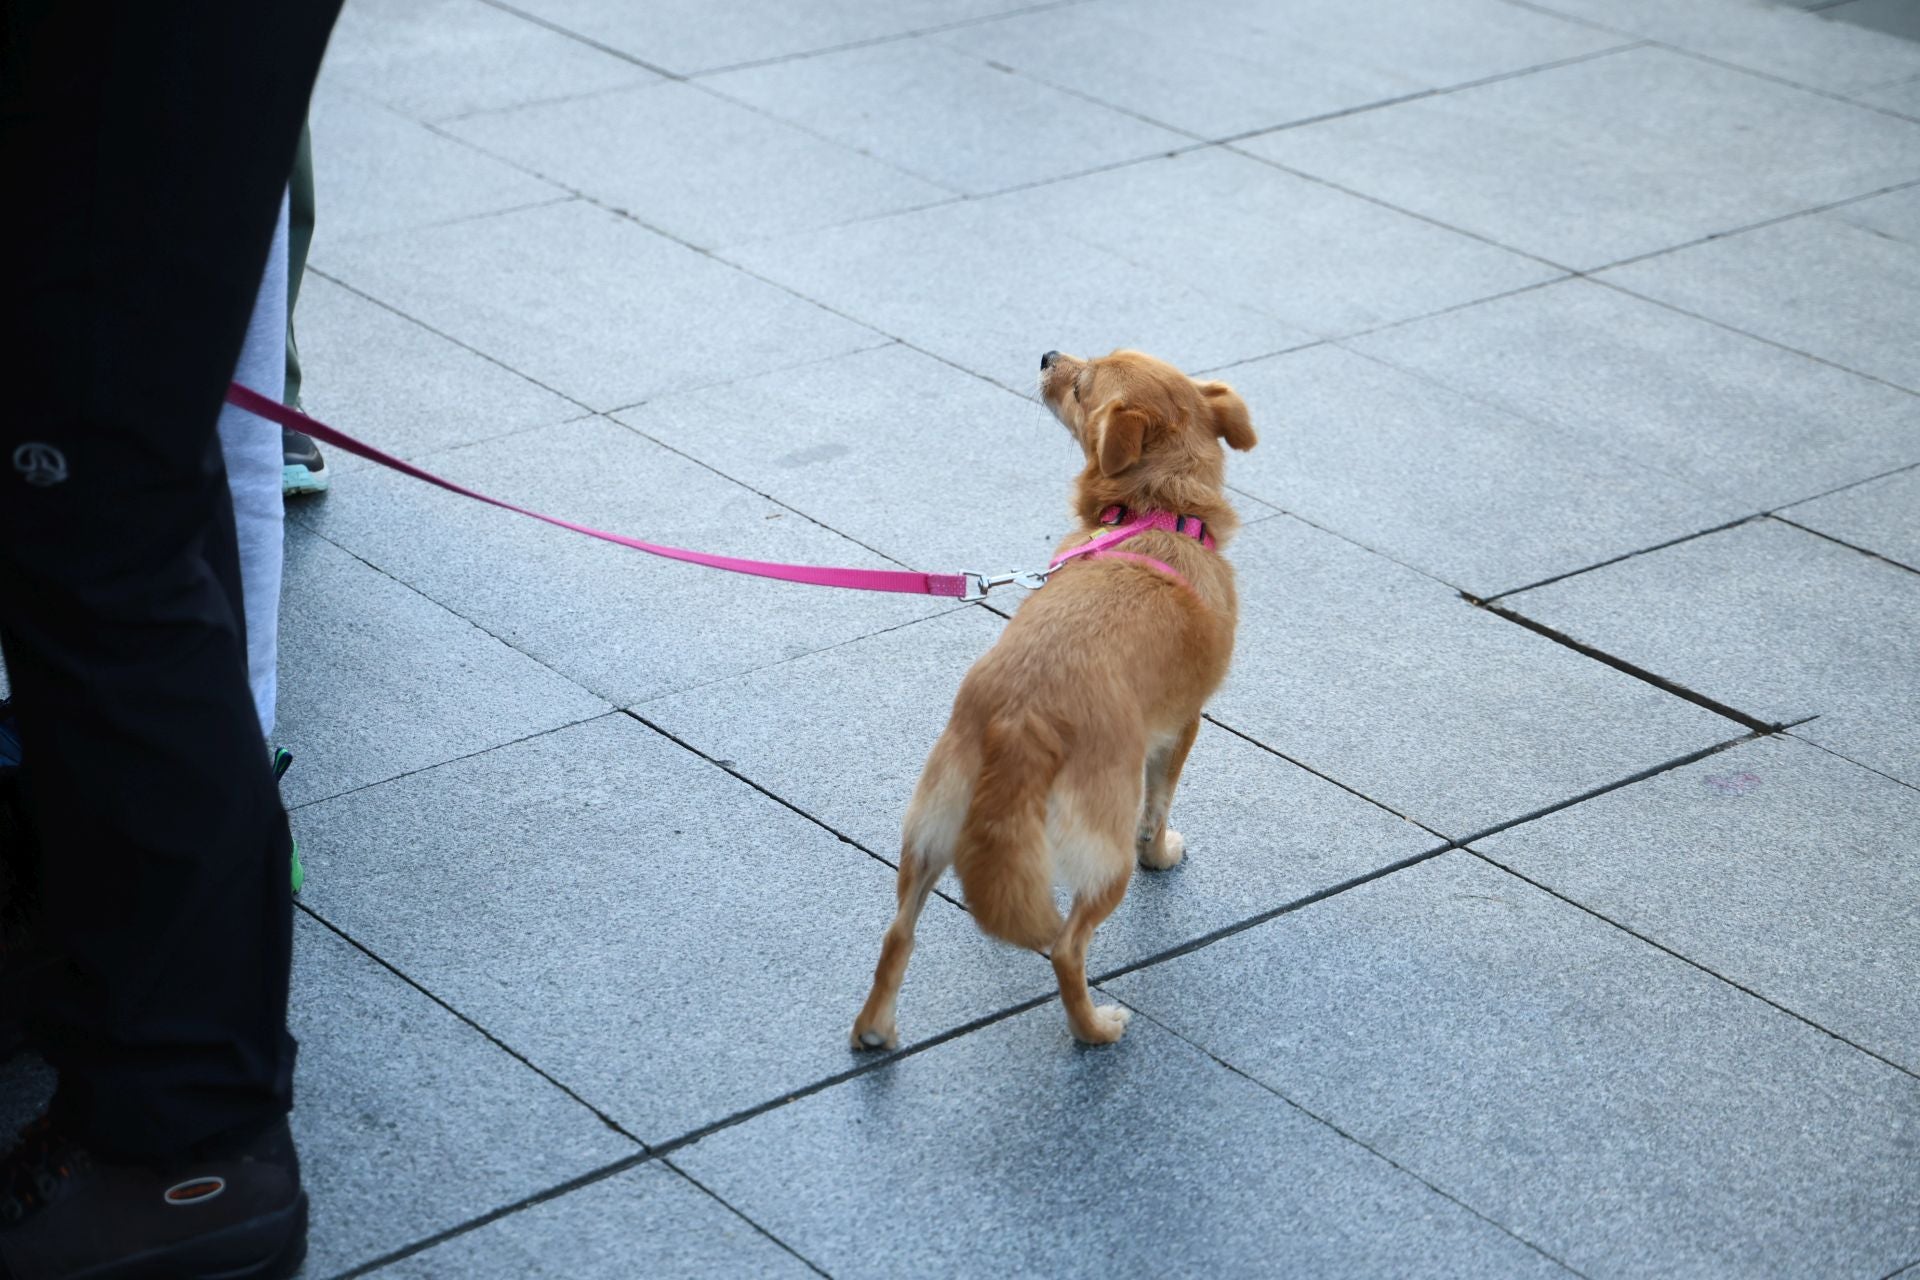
<point x="234" y="1209"/>
<point x="305" y="471"/>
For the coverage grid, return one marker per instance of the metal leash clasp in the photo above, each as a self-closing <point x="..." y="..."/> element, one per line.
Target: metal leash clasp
<point x="979" y="584"/>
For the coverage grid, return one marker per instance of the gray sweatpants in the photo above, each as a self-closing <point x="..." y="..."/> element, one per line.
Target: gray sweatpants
<point x="254" y="458"/>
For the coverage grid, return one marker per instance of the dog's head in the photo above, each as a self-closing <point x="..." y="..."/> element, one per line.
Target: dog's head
<point x="1151" y="434"/>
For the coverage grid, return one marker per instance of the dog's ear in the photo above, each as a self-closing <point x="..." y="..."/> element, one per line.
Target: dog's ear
<point x="1229" y="414"/>
<point x="1119" y="433"/>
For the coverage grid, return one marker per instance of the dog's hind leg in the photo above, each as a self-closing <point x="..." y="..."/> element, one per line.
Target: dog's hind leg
<point x="1156" y="846"/>
<point x="874" y="1028"/>
<point x="1095" y="1025"/>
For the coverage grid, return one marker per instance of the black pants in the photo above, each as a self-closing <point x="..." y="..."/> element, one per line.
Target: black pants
<point x="146" y="146"/>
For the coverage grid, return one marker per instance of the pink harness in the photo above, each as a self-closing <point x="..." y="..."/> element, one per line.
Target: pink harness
<point x="1101" y="547"/>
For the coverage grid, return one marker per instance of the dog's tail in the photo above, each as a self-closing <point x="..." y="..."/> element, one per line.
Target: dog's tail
<point x="1001" y="854"/>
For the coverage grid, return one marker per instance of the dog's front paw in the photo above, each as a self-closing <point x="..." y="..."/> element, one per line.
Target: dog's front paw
<point x="1172" y="848"/>
<point x="1109" y="1023"/>
<point x="867" y="1037"/>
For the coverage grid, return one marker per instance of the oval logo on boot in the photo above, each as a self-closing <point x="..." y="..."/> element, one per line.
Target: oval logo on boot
<point x="194" y="1191"/>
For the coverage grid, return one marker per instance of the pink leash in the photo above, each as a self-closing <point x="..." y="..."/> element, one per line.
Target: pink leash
<point x="963" y="586"/>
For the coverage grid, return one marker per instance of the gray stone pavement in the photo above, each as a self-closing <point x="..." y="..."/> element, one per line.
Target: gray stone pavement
<point x="1553" y="897"/>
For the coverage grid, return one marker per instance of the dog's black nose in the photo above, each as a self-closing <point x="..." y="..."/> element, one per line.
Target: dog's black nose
<point x="1046" y="361"/>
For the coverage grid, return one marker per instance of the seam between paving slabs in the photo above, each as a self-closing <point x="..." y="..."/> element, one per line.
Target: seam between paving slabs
<point x="1838" y="755"/>
<point x="1324" y="1121"/>
<point x="637" y="1158"/>
<point x="1842" y="542"/>
<point x="663" y="1149"/>
<point x="1640" y="673"/>
<point x="1657" y="945"/>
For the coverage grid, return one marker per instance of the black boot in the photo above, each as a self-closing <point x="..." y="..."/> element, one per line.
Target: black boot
<point x="233" y="1209"/>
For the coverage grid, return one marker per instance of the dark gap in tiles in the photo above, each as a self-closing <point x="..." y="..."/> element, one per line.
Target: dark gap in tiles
<point x="1317" y="1118"/>
<point x="1577" y="20"/>
<point x="1447" y="311"/>
<point x="1772" y="342"/>
<point x="1427" y="218"/>
<point x="566" y="195"/>
<point x="727" y="767"/>
<point x="494" y="1215"/>
<point x="589" y="41"/>
<point x="1601" y="564"/>
<point x="745" y="377"/>
<point x="1659" y="682"/>
<point x="442" y="605"/>
<point x="723" y="1202"/>
<point x="447" y="337"/>
<point x="1842" y="488"/>
<point x="1267" y="355"/>
<point x="1708" y="58"/>
<point x="875" y="1063"/>
<point x="839" y="644"/>
<point x="1842" y="542"/>
<point x="1839" y="755"/>
<point x="1631" y="42"/>
<point x="895" y="38"/>
<point x="1795" y="216"/>
<point x="1628" y="781"/>
<point x="1218" y="723"/>
<point x="1273" y="913"/>
<point x="555" y="100"/>
<point x="1908" y="1272"/>
<point x="1687" y="960"/>
<point x="425" y="768"/>
<point x="487" y="1035"/>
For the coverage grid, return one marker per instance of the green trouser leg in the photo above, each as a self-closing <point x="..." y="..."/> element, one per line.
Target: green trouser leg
<point x="299" y="240"/>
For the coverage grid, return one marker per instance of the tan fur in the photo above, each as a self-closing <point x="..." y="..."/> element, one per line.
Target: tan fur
<point x="1067" y="737"/>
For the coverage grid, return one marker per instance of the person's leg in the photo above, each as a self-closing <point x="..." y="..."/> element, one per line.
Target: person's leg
<point x="303" y="469"/>
<point x="161" y="138"/>
<point x="251" y="449"/>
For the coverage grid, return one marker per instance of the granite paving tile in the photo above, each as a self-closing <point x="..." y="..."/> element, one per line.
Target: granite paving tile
<point x="1815" y="284"/>
<point x="409" y="1122"/>
<point x="659" y="937"/>
<point x="986" y="288"/>
<point x="1809" y="49"/>
<point x="950" y="117"/>
<point x="1013" y="1152"/>
<point x="1624" y="1111"/>
<point x="376" y="680"/>
<point x="1378" y="676"/>
<point x="1895" y="215"/>
<point x="1819" y="284"/>
<point x="435" y="59"/>
<point x="895" y="449"/>
<point x="1772" y="620"/>
<point x="1738" y="418"/>
<point x="1255" y="65"/>
<point x="1903" y="97"/>
<point x="684" y="36"/>
<point x="649" y="1221"/>
<point x="1778" y="866"/>
<point x="844" y="733"/>
<point x="1620" y="155"/>
<point x="1452" y="486"/>
<point x="737" y="174"/>
<point x="623" y="623"/>
<point x="1240" y="229"/>
<point x="402" y="387"/>
<point x="375" y="170"/>
<point x="592" y="304"/>
<point x="1882" y="516"/>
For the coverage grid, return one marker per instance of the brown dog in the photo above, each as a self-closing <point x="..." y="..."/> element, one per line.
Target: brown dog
<point x="1068" y="736"/>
